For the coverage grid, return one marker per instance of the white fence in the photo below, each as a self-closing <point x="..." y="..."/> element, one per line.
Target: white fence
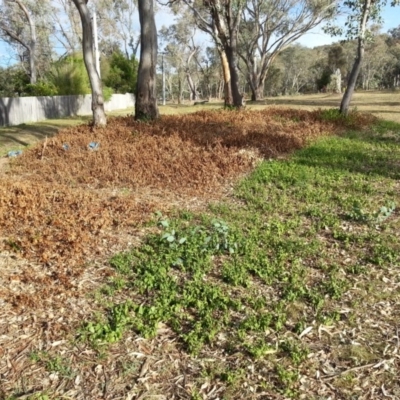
<point x="19" y="110"/>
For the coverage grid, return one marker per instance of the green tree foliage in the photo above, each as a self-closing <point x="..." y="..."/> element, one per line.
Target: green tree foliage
<point x="69" y="76"/>
<point x="324" y="80"/>
<point x="337" y="58"/>
<point x="12" y="81"/>
<point x="121" y="75"/>
<point x="41" y="88"/>
<point x="361" y="15"/>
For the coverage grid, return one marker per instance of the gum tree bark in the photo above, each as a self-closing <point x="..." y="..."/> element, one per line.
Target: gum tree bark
<point x="351" y="84"/>
<point x="221" y="19"/>
<point x="228" y="99"/>
<point x="270" y="26"/>
<point x="99" y="116"/>
<point x="146" y="96"/>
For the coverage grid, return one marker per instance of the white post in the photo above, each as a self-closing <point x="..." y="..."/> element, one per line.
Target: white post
<point x="163" y="80"/>
<point x="96" y="43"/>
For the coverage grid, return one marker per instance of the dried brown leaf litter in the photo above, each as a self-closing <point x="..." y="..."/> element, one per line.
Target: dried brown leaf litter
<point x="51" y="205"/>
<point x="64" y="208"/>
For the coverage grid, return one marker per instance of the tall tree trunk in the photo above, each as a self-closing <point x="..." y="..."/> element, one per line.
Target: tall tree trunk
<point x="32" y="62"/>
<point x="254" y="82"/>
<point x="228" y="99"/>
<point x="253" y="89"/>
<point x="180" y="90"/>
<point x="192" y="86"/>
<point x="257" y="89"/>
<point x="99" y="116"/>
<point x="225" y="30"/>
<point x="351" y="84"/>
<point x="146" y="101"/>
<point x="232" y="60"/>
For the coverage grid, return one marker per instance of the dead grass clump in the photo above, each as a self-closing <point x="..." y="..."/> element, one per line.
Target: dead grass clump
<point x="51" y="208"/>
<point x="53" y="223"/>
<point x="131" y="156"/>
<point x="190" y="153"/>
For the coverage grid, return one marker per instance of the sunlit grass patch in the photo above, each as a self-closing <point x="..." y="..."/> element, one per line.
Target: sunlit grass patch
<point x="290" y="279"/>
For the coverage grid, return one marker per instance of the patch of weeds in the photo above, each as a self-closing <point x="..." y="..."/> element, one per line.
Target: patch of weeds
<point x="122" y="263"/>
<point x="331" y="114"/>
<point x="235" y="273"/>
<point x="36" y="396"/>
<point x="109" y="330"/>
<point x="295" y="350"/>
<point x="382" y="254"/>
<point x="335" y="286"/>
<point x="316" y="299"/>
<point x="387" y="130"/>
<point x="259" y="348"/>
<point x="55" y="364"/>
<point x="329" y="317"/>
<point x="294" y="287"/>
<point x="356" y="269"/>
<point x="256" y="323"/>
<point x="169" y="272"/>
<point x="248" y="276"/>
<point x="359" y="215"/>
<point x="288" y="380"/>
<point x="231" y="377"/>
<point x="195" y="395"/>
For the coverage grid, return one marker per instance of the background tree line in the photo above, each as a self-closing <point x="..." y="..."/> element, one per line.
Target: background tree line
<point x="46" y="42"/>
<point x="192" y="70"/>
<point x="250" y="52"/>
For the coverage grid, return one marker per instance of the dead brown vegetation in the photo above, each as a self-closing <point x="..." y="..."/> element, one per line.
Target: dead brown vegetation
<point x="52" y="208"/>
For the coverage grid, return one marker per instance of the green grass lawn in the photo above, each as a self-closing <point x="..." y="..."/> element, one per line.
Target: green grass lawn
<point x="296" y="278"/>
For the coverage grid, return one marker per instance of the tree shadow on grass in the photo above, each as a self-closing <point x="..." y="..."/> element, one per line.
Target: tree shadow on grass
<point x="334" y="103"/>
<point x="26" y="135"/>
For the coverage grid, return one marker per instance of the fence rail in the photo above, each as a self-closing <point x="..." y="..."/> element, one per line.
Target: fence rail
<point x="19" y="110"/>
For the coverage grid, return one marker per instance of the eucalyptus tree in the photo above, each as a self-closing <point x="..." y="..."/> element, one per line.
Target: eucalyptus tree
<point x="146" y="91"/>
<point x="393" y="42"/>
<point x="116" y="23"/>
<point x="68" y="28"/>
<point x="24" y="25"/>
<point x="221" y="20"/>
<point x="296" y="64"/>
<point x="99" y="116"/>
<point x="378" y="64"/>
<point x="212" y="82"/>
<point x="270" y="26"/>
<point x="182" y="49"/>
<point x="361" y="13"/>
<point x="336" y="64"/>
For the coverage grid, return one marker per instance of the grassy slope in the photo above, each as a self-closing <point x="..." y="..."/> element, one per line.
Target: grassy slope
<point x="296" y="280"/>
